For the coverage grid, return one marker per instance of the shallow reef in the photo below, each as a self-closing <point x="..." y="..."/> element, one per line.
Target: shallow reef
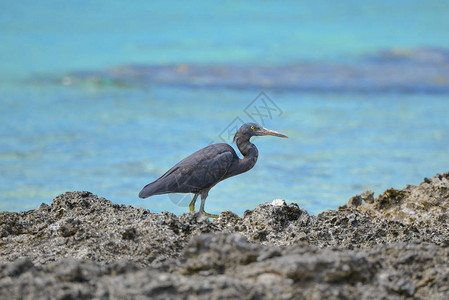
<point x="392" y="246"/>
<point x="405" y="71"/>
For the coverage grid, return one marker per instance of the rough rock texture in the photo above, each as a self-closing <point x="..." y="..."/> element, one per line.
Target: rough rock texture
<point x="81" y="225"/>
<point x="426" y="204"/>
<point x="393" y="246"/>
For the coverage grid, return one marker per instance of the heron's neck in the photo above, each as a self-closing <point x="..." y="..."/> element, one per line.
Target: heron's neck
<point x="249" y="151"/>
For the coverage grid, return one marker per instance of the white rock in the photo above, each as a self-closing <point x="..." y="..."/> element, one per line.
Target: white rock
<point x="278" y="202"/>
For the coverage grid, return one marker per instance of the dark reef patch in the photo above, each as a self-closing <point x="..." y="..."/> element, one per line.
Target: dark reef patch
<point x="393" y="246"/>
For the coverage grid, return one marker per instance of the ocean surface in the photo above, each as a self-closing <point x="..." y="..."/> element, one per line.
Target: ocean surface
<point x="106" y="97"/>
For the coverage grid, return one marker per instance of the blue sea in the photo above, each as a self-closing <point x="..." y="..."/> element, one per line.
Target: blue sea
<point x="105" y="96"/>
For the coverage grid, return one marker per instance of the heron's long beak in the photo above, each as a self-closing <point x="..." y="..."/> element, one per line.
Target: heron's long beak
<point x="265" y="131"/>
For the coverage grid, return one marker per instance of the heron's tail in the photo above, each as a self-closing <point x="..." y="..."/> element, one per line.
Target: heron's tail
<point x="149" y="190"/>
<point x="163" y="185"/>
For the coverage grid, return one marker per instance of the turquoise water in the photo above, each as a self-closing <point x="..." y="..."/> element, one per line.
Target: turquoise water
<point x="106" y="97"/>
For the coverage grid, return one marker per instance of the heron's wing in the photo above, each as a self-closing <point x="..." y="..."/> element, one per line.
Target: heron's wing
<point x="205" y="174"/>
<point x="201" y="170"/>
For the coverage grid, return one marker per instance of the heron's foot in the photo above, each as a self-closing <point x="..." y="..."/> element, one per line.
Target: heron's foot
<point x="209" y="215"/>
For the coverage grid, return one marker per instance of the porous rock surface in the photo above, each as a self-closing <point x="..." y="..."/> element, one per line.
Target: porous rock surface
<point x="394" y="246"/>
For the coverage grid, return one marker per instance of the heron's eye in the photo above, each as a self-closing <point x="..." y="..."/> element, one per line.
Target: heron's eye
<point x="252" y="127"/>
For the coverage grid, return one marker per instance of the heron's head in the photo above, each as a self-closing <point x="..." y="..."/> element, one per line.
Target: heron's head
<point x="253" y="129"/>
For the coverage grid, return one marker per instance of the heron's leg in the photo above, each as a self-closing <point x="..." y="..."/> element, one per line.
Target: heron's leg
<point x="192" y="203"/>
<point x="203" y="201"/>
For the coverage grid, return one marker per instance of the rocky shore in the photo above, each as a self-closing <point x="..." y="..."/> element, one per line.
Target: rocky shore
<point x="389" y="246"/>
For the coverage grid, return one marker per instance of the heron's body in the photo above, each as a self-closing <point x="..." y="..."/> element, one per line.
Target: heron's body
<point x="200" y="171"/>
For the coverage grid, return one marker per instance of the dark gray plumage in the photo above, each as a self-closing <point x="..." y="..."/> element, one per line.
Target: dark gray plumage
<point x="200" y="171"/>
